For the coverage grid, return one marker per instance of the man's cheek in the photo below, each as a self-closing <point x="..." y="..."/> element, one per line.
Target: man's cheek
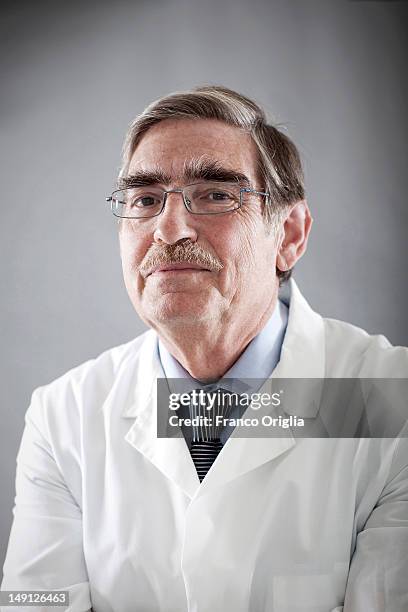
<point x="131" y="250"/>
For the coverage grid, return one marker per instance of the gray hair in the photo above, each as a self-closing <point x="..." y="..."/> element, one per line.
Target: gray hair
<point x="279" y="162"/>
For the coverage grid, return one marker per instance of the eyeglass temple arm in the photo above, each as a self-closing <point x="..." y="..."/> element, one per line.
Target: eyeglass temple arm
<point x="249" y="190"/>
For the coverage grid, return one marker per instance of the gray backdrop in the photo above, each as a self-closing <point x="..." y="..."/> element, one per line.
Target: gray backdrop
<point x="73" y="75"/>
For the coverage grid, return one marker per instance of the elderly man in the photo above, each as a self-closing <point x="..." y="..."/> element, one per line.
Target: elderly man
<point x="212" y="219"/>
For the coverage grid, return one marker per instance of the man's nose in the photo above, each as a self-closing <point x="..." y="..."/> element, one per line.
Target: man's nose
<point x="174" y="222"/>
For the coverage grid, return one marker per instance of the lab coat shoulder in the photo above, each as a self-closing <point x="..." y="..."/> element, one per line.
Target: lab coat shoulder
<point x="351" y="352"/>
<point x="92" y="379"/>
<point x="62" y="410"/>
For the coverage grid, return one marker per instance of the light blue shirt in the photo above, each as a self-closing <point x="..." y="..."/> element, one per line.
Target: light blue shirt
<point x="257" y="362"/>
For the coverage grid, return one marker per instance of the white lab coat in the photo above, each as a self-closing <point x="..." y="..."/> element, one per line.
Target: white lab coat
<point x="119" y="518"/>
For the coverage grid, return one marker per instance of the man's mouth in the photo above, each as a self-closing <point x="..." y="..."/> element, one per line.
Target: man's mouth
<point x="177" y="267"/>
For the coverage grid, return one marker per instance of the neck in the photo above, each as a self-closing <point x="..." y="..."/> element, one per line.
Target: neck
<point x="208" y="349"/>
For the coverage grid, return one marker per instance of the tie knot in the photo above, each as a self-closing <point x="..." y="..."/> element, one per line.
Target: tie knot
<point x="209" y="406"/>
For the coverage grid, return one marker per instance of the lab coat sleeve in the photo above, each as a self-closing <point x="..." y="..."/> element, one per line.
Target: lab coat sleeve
<point x="378" y="578"/>
<point x="45" y="550"/>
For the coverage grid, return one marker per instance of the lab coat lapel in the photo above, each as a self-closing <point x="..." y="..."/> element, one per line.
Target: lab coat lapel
<point x="170" y="455"/>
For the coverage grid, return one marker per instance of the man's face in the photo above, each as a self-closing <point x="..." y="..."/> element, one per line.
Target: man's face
<point x="234" y="274"/>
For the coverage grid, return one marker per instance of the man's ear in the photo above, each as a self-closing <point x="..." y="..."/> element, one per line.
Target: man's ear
<point x="295" y="232"/>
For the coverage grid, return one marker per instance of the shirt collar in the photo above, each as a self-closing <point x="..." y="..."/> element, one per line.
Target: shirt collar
<point x="256" y="362"/>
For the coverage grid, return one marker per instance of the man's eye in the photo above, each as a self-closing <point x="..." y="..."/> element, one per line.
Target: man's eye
<point x="144" y="201"/>
<point x="219" y="196"/>
<point x="215" y="196"/>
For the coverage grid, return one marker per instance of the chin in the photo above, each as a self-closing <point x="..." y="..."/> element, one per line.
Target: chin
<point x="179" y="309"/>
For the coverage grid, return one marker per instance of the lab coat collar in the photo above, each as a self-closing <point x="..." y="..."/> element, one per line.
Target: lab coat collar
<point x="170" y="455"/>
<point x="303" y="349"/>
<point x="302" y="356"/>
<point x="303" y="353"/>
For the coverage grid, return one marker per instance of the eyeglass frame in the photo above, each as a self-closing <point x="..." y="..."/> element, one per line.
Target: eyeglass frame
<point x="181" y="190"/>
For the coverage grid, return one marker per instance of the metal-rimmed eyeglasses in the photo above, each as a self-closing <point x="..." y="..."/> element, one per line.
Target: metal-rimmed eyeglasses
<point x="205" y="198"/>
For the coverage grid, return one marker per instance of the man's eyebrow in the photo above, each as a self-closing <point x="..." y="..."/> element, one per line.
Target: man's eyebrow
<point x="208" y="170"/>
<point x="193" y="170"/>
<point x="144" y="177"/>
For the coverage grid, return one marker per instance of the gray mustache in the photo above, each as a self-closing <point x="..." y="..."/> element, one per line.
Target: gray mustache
<point x="189" y="252"/>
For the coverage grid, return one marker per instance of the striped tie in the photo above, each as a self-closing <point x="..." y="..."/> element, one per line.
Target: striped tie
<point x="206" y="444"/>
<point x="204" y="454"/>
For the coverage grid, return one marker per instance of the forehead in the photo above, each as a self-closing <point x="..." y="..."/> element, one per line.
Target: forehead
<point x="172" y="143"/>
